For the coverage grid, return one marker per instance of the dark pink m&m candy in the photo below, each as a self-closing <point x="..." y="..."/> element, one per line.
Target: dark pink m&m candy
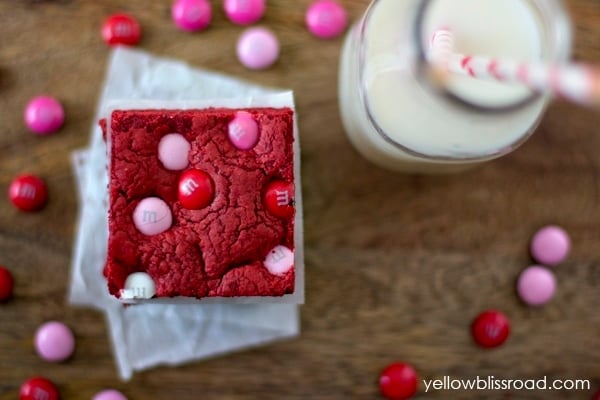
<point x="44" y="115"/>
<point x="192" y="15"/>
<point x="244" y="12"/>
<point x="39" y="388"/>
<point x="196" y="189"/>
<point x="490" y="329"/>
<point x="28" y="192"/>
<point x="121" y="29"/>
<point x="596" y="396"/>
<point x="6" y="284"/>
<point x="326" y="19"/>
<point x="279" y="199"/>
<point x="398" y="381"/>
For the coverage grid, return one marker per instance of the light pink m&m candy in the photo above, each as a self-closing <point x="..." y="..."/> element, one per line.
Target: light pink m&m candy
<point x="152" y="216"/>
<point x="173" y="151"/>
<point x="44" y="115"/>
<point x="109" y="394"/>
<point x="191" y="15"/>
<point x="326" y="19"/>
<point x="279" y="260"/>
<point x="54" y="341"/>
<point x="536" y="285"/>
<point x="550" y="245"/>
<point x="258" y="48"/>
<point x="243" y="131"/>
<point x="244" y="12"/>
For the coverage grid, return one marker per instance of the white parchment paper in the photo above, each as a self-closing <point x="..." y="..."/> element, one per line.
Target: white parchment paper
<point x="148" y="335"/>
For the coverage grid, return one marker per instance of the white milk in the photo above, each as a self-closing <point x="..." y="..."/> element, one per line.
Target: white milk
<point x="433" y="134"/>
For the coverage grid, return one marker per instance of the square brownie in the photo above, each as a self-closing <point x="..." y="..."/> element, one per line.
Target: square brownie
<point x="201" y="203"/>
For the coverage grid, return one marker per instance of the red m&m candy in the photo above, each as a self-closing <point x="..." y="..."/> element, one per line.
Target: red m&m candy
<point x="28" y="192"/>
<point x="121" y="29"/>
<point x="6" y="284"/>
<point x="398" y="381"/>
<point x="490" y="329"/>
<point x="38" y="388"/>
<point x="279" y="199"/>
<point x="196" y="189"/>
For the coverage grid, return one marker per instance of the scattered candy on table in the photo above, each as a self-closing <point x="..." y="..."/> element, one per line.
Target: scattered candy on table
<point x="6" y="284"/>
<point x="54" y="341"/>
<point x="550" y="245"/>
<point x="244" y="12"/>
<point x="109" y="394"/>
<point x="279" y="199"/>
<point x="44" y="115"/>
<point x="121" y="29"/>
<point x="398" y="381"/>
<point x="173" y="151"/>
<point x="192" y="15"/>
<point x="490" y="329"/>
<point x="28" y="192"/>
<point x="38" y="388"/>
<point x="152" y="216"/>
<point x="195" y="189"/>
<point x="536" y="285"/>
<point x="243" y="131"/>
<point x="326" y="19"/>
<point x="258" y="48"/>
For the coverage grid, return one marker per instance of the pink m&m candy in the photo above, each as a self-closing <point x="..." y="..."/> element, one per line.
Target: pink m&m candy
<point x="173" y="151"/>
<point x="121" y="29"/>
<point x="279" y="260"/>
<point x="196" y="189"/>
<point x="490" y="329"/>
<point x="28" y="192"/>
<point x="550" y="245"/>
<point x="326" y="19"/>
<point x="243" y="131"/>
<point x="398" y="381"/>
<point x="152" y="216"/>
<point x="6" y="284"/>
<point x="38" y="388"/>
<point x="109" y="394"/>
<point x="191" y="15"/>
<point x="244" y="12"/>
<point x="54" y="341"/>
<point x="44" y="115"/>
<point x="536" y="285"/>
<point x="258" y="48"/>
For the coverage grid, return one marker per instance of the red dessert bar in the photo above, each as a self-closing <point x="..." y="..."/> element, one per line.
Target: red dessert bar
<point x="201" y="203"/>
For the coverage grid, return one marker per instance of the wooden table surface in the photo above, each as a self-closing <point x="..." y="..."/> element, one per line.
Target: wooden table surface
<point x="397" y="265"/>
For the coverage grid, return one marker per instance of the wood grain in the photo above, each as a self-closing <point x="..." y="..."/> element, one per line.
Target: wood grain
<point x="397" y="265"/>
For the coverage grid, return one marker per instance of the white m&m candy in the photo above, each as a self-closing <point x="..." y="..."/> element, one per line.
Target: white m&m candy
<point x="279" y="260"/>
<point x="138" y="285"/>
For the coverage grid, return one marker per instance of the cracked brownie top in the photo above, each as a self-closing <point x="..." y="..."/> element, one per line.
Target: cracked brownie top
<point x="201" y="203"/>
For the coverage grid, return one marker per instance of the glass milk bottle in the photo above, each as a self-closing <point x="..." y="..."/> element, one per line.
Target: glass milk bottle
<point x="395" y="115"/>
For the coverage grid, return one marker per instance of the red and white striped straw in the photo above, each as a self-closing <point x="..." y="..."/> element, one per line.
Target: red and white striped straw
<point x="577" y="83"/>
